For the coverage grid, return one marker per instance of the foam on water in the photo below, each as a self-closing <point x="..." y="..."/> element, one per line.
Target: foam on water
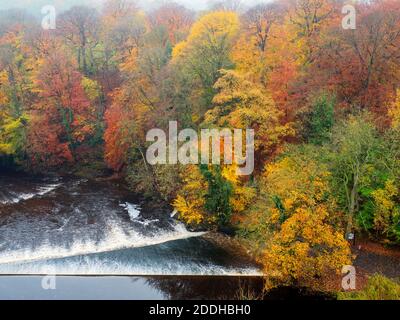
<point x="104" y="258"/>
<point x="91" y="228"/>
<point x="40" y="191"/>
<point x="133" y="210"/>
<point x="92" y="267"/>
<point x="116" y="239"/>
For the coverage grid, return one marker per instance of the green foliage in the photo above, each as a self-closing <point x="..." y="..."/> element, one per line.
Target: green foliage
<point x="357" y="156"/>
<point x="13" y="136"/>
<point x="378" y="288"/>
<point x="219" y="193"/>
<point x="299" y="178"/>
<point x="365" y="177"/>
<point x="321" y="119"/>
<point x="200" y="58"/>
<point x="96" y="86"/>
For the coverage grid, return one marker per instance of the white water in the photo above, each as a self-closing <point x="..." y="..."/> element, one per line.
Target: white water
<point x="91" y="229"/>
<point x="90" y="258"/>
<point x="133" y="210"/>
<point x="115" y="239"/>
<point x="93" y="267"/>
<point x="41" y="191"/>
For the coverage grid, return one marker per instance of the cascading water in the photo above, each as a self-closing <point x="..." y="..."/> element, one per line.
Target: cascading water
<point x="70" y="226"/>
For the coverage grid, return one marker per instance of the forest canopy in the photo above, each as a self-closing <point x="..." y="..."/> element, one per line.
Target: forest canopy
<point x="323" y="101"/>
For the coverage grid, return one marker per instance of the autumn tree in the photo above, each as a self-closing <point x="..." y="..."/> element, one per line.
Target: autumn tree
<point x="308" y="18"/>
<point x="259" y="21"/>
<point x="64" y="112"/>
<point x="138" y="106"/>
<point x="15" y="94"/>
<point x="361" y="65"/>
<point x="259" y="25"/>
<point x="79" y="27"/>
<point x="175" y="18"/>
<point x="242" y="104"/>
<point x="294" y="222"/>
<point x="205" y="52"/>
<point x="212" y="195"/>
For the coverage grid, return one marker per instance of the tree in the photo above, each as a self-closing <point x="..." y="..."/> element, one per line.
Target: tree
<point x="306" y="250"/>
<point x="175" y="18"/>
<point x="242" y="104"/>
<point x="295" y="221"/>
<point x="309" y="18"/>
<point x="212" y="195"/>
<point x="259" y="21"/>
<point x="15" y="94"/>
<point x="357" y="155"/>
<point x="205" y="52"/>
<point x="63" y="107"/>
<point x="321" y="120"/>
<point x="360" y="65"/>
<point x="137" y="105"/>
<point x="251" y="53"/>
<point x="295" y="225"/>
<point x="79" y="27"/>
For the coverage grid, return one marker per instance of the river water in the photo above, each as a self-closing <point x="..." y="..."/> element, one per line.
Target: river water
<point x="80" y="230"/>
<point x="72" y="226"/>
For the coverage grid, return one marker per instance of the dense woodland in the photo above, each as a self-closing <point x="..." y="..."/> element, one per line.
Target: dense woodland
<point x="324" y="103"/>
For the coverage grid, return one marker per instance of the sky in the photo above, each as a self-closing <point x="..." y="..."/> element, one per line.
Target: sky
<point x="35" y="5"/>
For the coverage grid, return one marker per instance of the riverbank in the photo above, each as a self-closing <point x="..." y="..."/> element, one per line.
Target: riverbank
<point x="369" y="258"/>
<point x="86" y="217"/>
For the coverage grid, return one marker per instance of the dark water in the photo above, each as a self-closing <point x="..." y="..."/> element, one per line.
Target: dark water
<point x="103" y="243"/>
<point x="128" y="288"/>
<point x="73" y="226"/>
<point x="146" y="288"/>
<point x="98" y="241"/>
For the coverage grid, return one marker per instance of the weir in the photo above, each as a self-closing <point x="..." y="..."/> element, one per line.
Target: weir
<point x="71" y="226"/>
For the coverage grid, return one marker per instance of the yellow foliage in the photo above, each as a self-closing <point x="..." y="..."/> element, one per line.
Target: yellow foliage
<point x="394" y="112"/>
<point x="242" y="194"/>
<point x="91" y="87"/>
<point x="294" y="222"/>
<point x="297" y="184"/>
<point x="179" y="49"/>
<point x="3" y="83"/>
<point x="248" y="58"/>
<point x="6" y="148"/>
<point x="191" y="198"/>
<point x="130" y="63"/>
<point x="190" y="201"/>
<point x="209" y="31"/>
<point x="9" y="128"/>
<point x="242" y="104"/>
<point x="304" y="249"/>
<point x="387" y="209"/>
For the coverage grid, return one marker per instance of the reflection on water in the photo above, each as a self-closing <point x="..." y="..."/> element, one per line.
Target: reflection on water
<point x="76" y="227"/>
<point x="146" y="288"/>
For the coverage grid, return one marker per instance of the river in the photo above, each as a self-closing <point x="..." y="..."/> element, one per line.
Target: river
<point x="103" y="242"/>
<point x="77" y="227"/>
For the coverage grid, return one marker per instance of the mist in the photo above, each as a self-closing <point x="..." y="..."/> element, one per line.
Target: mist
<point x="34" y="6"/>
